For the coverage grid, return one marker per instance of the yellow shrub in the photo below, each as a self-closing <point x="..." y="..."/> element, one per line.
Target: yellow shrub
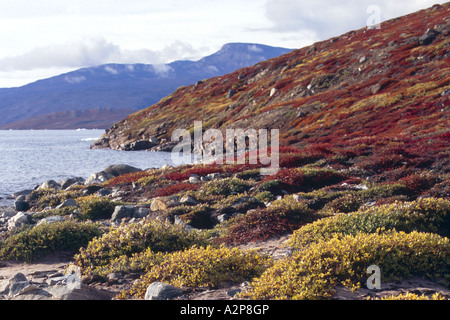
<point x="197" y="267"/>
<point x="314" y="272"/>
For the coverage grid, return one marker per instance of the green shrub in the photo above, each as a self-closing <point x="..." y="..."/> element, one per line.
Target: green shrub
<point x="345" y="204"/>
<point x="315" y="272"/>
<point x="197" y="267"/>
<point x="225" y="187"/>
<point x="265" y="196"/>
<point x="33" y="243"/>
<point x="127" y="240"/>
<point x="427" y="215"/>
<point x="39" y="199"/>
<point x="95" y="208"/>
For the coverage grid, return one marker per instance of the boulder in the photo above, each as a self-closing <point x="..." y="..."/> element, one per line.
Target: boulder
<point x="120" y="169"/>
<point x="188" y="201"/>
<point x="193" y="180"/>
<point x="162" y="291"/>
<point x="68" y="203"/>
<point x="139" y="145"/>
<point x="18" y="220"/>
<point x="21" y="205"/>
<point x="110" y="172"/>
<point x="71" y="181"/>
<point x="51" y="219"/>
<point x="66" y="287"/>
<point x="428" y="37"/>
<point x="98" y="177"/>
<point x="50" y="184"/>
<point x="164" y="203"/>
<point x="129" y="211"/>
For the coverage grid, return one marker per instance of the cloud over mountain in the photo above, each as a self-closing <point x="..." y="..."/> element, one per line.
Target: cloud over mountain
<point x="92" y="51"/>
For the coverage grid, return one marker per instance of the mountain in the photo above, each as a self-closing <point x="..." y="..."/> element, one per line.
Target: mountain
<point x="369" y="88"/>
<point x="97" y="97"/>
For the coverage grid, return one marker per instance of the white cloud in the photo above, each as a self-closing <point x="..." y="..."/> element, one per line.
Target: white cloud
<point x="328" y="18"/>
<point x="91" y="52"/>
<point x="45" y="36"/>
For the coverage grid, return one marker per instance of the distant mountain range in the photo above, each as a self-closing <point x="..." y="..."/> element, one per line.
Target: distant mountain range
<point x="98" y="97"/>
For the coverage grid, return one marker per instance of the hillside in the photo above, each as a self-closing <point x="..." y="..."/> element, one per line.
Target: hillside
<point x="362" y="87"/>
<point x="98" y="97"/>
<point x="358" y="210"/>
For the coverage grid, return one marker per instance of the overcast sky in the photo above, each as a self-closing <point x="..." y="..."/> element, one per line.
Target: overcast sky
<point x="43" y="38"/>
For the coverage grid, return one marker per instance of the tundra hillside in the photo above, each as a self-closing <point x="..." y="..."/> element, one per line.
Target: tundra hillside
<point x="364" y="86"/>
<point x="363" y="184"/>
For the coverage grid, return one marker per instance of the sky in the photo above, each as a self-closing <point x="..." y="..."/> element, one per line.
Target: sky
<point x="43" y="38"/>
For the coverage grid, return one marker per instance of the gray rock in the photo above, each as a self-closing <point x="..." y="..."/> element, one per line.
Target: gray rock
<point x="213" y="176"/>
<point x="68" y="203"/>
<point x="98" y="177"/>
<point x="162" y="291"/>
<point x="120" y="169"/>
<point x="121" y="212"/>
<point x="51" y="219"/>
<point x="188" y="200"/>
<point x="428" y="37"/>
<point x="18" y="220"/>
<point x="71" y="181"/>
<point x="67" y="287"/>
<point x="50" y="184"/>
<point x="193" y="179"/>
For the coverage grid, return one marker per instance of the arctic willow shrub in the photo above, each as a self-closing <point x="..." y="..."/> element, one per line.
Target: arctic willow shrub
<point x="94" y="208"/>
<point x="225" y="187"/>
<point x="315" y="272"/>
<point x="32" y="243"/>
<point x="426" y="215"/>
<point x="202" y="266"/>
<point x="132" y="238"/>
<point x="47" y="197"/>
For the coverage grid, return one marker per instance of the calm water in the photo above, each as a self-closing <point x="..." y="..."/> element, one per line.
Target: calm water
<point x="30" y="157"/>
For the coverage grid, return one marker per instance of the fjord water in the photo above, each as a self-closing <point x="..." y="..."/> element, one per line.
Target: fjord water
<point x="30" y="157"/>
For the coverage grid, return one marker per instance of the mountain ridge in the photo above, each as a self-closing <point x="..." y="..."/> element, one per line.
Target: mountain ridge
<point x="116" y="87"/>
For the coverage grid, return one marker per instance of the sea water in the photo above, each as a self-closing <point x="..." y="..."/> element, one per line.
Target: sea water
<point x="30" y="157"/>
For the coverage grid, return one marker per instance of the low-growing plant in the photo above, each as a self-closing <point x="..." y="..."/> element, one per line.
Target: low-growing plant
<point x="426" y="215"/>
<point x="281" y="217"/>
<point x="43" y="198"/>
<point x="35" y="242"/>
<point x="308" y="179"/>
<point x="202" y="266"/>
<point x="133" y="238"/>
<point x="225" y="187"/>
<point x="315" y="272"/>
<point x="95" y="208"/>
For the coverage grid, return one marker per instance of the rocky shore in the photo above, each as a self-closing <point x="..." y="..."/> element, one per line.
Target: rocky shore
<point x="209" y="199"/>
